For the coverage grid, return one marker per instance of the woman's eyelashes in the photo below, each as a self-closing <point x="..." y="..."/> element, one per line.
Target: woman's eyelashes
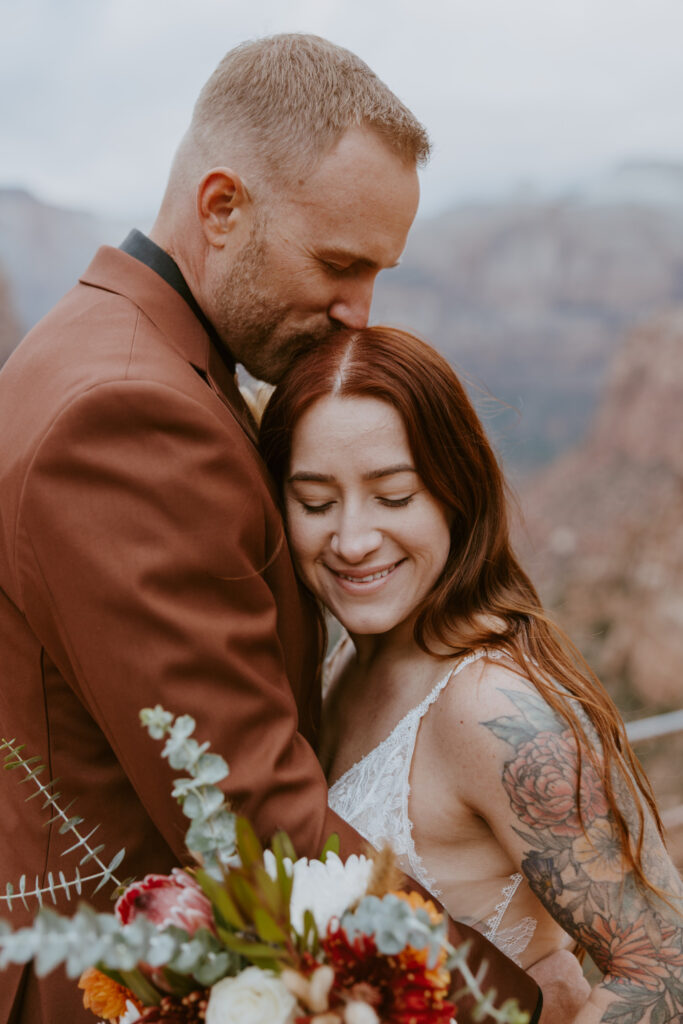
<point x="321" y="508"/>
<point x="316" y="510"/>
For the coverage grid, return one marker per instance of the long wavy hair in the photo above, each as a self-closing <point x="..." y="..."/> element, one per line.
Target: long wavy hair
<point x="483" y="596"/>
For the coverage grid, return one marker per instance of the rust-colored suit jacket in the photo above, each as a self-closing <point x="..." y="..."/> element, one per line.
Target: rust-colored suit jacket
<point x="142" y="561"/>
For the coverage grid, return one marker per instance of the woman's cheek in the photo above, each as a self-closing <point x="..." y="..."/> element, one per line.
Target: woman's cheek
<point x="301" y="537"/>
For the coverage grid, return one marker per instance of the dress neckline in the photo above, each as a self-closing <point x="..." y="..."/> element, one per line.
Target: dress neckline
<point x="426" y="702"/>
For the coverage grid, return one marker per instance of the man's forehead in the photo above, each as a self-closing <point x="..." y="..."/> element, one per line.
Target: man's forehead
<point x="360" y="155"/>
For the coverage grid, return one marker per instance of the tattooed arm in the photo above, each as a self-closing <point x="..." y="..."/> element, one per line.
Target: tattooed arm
<point x="524" y="784"/>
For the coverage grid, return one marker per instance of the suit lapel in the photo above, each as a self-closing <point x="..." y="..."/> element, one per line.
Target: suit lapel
<point x="223" y="382"/>
<point x="117" y="271"/>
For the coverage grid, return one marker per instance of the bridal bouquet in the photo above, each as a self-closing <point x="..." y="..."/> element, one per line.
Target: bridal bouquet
<point x="247" y="936"/>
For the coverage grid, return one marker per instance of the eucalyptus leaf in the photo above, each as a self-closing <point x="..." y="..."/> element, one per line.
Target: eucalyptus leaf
<point x="213" y="968"/>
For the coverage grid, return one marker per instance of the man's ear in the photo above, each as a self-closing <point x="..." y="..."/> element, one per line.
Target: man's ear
<point x="222" y="203"/>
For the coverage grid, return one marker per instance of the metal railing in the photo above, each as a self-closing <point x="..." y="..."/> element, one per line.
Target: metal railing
<point x="652" y="728"/>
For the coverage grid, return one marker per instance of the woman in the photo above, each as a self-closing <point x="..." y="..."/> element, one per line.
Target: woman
<point x="460" y="725"/>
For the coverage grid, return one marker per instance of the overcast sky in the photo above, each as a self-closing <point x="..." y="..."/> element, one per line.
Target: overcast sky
<point x="95" y="94"/>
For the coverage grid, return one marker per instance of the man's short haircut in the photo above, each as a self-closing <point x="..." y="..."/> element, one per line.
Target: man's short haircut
<point x="289" y="97"/>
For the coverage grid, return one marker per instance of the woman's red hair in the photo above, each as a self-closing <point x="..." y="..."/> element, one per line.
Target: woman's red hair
<point x="483" y="597"/>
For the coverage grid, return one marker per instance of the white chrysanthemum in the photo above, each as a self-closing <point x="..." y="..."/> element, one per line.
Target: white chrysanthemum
<point x="327" y="890"/>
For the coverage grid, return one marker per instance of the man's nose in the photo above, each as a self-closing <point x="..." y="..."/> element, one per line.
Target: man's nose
<point x="355" y="538"/>
<point x="351" y="308"/>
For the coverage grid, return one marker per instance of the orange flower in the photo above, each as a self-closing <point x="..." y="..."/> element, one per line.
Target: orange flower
<point x="105" y="997"/>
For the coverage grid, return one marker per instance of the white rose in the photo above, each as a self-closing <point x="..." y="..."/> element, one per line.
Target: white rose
<point x="253" y="997"/>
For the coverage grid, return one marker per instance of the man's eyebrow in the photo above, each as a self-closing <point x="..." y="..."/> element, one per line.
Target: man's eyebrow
<point x="350" y="258"/>
<point x="305" y="476"/>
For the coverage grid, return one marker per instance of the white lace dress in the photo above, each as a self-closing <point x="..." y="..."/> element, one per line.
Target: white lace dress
<point x="372" y="796"/>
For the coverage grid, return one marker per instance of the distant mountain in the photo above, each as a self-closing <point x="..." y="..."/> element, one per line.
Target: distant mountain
<point x="10" y="328"/>
<point x="532" y="298"/>
<point x="44" y="249"/>
<point x="640" y="182"/>
<point x="605" y="523"/>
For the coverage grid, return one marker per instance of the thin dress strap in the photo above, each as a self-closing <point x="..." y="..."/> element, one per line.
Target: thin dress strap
<point x="373" y="794"/>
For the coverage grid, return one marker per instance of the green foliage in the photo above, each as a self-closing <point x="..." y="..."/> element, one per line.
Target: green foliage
<point x="331" y="846"/>
<point x="395" y="925"/>
<point x="211" y="837"/>
<point x="485" y="1008"/>
<point x="33" y="768"/>
<point x="253" y="906"/>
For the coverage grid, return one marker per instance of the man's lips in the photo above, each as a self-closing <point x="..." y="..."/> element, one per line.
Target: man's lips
<point x="365" y="576"/>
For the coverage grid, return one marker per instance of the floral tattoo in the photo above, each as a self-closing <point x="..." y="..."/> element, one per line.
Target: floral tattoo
<point x="574" y="865"/>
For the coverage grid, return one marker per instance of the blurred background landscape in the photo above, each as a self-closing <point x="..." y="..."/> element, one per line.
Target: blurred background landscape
<point x="546" y="262"/>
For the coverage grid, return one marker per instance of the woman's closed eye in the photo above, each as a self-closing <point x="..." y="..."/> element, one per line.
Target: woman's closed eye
<point x="396" y="502"/>
<point x="316" y="510"/>
<point x="320" y="507"/>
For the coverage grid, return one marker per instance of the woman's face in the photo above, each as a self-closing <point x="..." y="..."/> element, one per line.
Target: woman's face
<point x="370" y="541"/>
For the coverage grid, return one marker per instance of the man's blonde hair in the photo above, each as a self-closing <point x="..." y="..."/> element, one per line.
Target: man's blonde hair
<point x="288" y="98"/>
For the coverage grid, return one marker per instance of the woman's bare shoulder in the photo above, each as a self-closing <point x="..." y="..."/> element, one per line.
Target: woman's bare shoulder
<point x="488" y="687"/>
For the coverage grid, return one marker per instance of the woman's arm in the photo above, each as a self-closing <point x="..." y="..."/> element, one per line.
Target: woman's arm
<point x="524" y="781"/>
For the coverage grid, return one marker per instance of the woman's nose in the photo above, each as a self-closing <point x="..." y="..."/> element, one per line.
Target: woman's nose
<point x="354" y="539"/>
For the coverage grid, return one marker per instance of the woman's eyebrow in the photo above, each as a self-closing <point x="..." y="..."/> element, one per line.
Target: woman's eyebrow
<point x="375" y="474"/>
<point x="316" y="478"/>
<point x="389" y="471"/>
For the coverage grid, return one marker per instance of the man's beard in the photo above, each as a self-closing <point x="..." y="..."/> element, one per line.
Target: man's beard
<point x="253" y="323"/>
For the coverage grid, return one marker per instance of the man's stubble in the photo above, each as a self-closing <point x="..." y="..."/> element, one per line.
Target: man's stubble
<point x="252" y="319"/>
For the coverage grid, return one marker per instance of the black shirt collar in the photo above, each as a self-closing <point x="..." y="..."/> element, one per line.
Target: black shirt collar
<point x="153" y="256"/>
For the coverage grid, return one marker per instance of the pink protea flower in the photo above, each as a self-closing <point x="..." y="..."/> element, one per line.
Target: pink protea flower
<point x="165" y="900"/>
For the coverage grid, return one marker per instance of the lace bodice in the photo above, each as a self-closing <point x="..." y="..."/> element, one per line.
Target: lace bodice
<point x="372" y="796"/>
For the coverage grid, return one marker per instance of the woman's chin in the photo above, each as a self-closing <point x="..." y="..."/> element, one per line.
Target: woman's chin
<point x="376" y="622"/>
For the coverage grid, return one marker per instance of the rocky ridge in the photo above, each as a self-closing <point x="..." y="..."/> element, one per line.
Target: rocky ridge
<point x="604" y="523"/>
<point x="533" y="298"/>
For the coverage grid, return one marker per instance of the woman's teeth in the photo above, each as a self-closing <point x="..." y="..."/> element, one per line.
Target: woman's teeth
<point x="370" y="578"/>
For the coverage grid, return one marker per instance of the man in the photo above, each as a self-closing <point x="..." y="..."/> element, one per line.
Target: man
<point x="142" y="556"/>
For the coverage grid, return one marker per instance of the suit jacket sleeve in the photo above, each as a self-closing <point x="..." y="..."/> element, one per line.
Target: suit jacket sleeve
<point x="146" y="538"/>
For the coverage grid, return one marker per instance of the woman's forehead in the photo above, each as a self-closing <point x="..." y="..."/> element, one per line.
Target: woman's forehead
<point x="358" y="429"/>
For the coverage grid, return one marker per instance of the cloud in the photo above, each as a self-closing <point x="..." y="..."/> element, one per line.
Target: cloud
<point x="97" y="95"/>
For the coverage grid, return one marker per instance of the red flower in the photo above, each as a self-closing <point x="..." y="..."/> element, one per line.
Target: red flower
<point x="165" y="900"/>
<point x="401" y="989"/>
<point x="542" y="783"/>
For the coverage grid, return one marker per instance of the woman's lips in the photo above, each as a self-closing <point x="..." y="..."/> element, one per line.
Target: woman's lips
<point x="355" y="580"/>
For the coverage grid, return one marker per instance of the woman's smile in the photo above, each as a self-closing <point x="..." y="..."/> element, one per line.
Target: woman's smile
<point x="360" y="580"/>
